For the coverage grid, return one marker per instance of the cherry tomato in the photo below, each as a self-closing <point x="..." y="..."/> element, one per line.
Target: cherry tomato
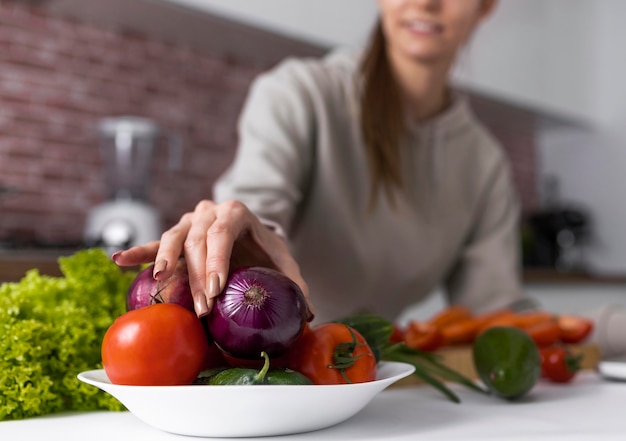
<point x="423" y="336"/>
<point x="558" y="364"/>
<point x="160" y="344"/>
<point x="333" y="353"/>
<point x="574" y="329"/>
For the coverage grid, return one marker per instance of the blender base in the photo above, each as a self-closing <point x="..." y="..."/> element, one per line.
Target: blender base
<point x="120" y="224"/>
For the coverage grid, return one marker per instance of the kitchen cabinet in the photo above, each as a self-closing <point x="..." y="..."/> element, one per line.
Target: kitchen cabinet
<point x="15" y="263"/>
<point x="322" y="22"/>
<point x="538" y="276"/>
<point x="174" y="22"/>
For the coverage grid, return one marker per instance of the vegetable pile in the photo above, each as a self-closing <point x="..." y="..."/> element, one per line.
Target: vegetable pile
<point x="51" y="329"/>
<point x="260" y="311"/>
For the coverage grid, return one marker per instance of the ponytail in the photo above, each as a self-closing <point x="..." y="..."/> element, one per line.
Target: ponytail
<point x="382" y="120"/>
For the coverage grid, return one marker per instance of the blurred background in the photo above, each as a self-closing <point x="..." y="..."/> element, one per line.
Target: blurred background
<point x="127" y="106"/>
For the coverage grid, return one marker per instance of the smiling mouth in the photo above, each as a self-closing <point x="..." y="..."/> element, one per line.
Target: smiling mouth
<point x="423" y="27"/>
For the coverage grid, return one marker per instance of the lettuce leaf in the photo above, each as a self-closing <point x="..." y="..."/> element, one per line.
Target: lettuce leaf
<point x="51" y="328"/>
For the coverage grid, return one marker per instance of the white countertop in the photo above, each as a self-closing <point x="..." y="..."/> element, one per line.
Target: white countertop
<point x="590" y="408"/>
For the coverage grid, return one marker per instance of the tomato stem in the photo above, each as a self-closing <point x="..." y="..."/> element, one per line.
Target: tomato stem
<point x="573" y="362"/>
<point x="343" y="356"/>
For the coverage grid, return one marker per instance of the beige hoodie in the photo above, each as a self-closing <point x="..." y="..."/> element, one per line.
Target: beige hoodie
<point x="301" y="164"/>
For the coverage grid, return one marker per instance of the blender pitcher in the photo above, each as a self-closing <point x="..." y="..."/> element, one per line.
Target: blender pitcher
<point x="128" y="144"/>
<point x="127" y="218"/>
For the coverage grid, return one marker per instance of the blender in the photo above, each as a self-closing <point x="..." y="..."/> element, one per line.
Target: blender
<point x="127" y="218"/>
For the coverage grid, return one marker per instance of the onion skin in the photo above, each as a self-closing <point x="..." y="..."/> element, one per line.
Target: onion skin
<point x="260" y="309"/>
<point x="145" y="290"/>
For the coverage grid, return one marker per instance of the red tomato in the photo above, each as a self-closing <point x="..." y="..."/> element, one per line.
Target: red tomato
<point x="160" y="344"/>
<point x="333" y="353"/>
<point x="558" y="365"/>
<point x="574" y="329"/>
<point x="423" y="336"/>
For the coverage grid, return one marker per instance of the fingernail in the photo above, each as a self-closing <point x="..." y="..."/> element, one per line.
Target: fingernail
<point x="209" y="304"/>
<point x="201" y="306"/>
<point x="116" y="255"/>
<point x="159" y="267"/>
<point x="213" y="285"/>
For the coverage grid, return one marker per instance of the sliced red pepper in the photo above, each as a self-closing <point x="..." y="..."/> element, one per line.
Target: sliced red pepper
<point x="450" y="315"/>
<point x="460" y="332"/>
<point x="397" y="336"/>
<point x="423" y="336"/>
<point x="574" y="329"/>
<point x="544" y="333"/>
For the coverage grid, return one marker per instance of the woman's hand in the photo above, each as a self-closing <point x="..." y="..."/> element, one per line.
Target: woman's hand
<point x="214" y="239"/>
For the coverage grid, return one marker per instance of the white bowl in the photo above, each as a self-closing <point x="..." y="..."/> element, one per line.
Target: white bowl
<point x="244" y="411"/>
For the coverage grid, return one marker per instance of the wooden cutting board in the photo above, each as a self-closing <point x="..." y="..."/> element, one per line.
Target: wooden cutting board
<point x="460" y="359"/>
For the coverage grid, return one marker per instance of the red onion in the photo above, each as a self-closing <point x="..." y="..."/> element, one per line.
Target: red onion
<point x="259" y="310"/>
<point x="146" y="291"/>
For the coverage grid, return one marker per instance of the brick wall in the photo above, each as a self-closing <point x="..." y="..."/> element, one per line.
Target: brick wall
<point x="58" y="78"/>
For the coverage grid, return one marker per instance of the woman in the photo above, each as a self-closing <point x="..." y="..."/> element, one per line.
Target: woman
<point x="365" y="178"/>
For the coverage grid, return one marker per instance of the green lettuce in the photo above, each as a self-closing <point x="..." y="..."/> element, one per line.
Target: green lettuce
<point x="51" y="329"/>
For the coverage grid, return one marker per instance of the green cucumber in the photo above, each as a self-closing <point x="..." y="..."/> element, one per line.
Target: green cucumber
<point x="205" y="376"/>
<point x="248" y="376"/>
<point x="507" y="361"/>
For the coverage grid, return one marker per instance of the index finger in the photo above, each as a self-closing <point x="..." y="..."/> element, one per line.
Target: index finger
<point x="232" y="220"/>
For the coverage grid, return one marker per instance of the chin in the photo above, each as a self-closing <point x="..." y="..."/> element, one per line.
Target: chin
<point x="427" y="57"/>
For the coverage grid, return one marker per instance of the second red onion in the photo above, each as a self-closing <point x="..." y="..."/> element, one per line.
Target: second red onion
<point x="146" y="291"/>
